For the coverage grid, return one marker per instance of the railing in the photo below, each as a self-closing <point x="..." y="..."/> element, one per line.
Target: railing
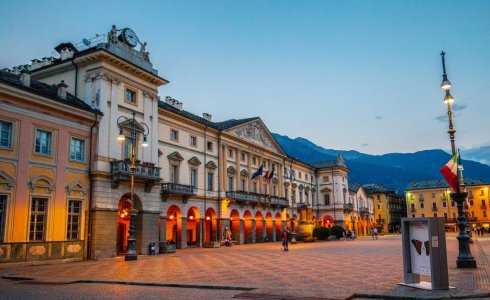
<point x="282" y="202"/>
<point x="413" y="209"/>
<point x="348" y="207"/>
<point x="364" y="211"/>
<point x="434" y="208"/>
<point x="175" y="189"/>
<point x="246" y="197"/>
<point x="121" y="170"/>
<point x="483" y="206"/>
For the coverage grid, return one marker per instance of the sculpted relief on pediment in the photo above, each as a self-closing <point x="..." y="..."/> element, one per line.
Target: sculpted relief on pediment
<point x="256" y="133"/>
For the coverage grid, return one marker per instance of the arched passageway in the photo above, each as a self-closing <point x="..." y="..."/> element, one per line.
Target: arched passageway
<point x="123" y="220"/>
<point x="210" y="224"/>
<point x="193" y="227"/>
<point x="174" y="226"/>
<point x="269" y="227"/>
<point x="235" y="225"/>
<point x="247" y="227"/>
<point x="259" y="227"/>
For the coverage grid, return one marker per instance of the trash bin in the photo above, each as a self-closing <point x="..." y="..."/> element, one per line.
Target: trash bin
<point x="151" y="248"/>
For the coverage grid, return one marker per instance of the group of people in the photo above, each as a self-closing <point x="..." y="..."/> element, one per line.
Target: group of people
<point x="349" y="234"/>
<point x="479" y="231"/>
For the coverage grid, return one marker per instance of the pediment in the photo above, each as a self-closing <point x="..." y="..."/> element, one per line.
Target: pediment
<point x="175" y="156"/>
<point x="244" y="173"/>
<point x="194" y="161"/>
<point x="76" y="186"/>
<point x="211" y="165"/>
<point x="257" y="133"/>
<point x="7" y="180"/>
<point x="325" y="190"/>
<point x="231" y="170"/>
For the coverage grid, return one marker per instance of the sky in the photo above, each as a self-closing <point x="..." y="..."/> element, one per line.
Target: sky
<point x="347" y="75"/>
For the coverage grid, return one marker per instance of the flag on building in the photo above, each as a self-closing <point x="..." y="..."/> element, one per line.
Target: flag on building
<point x="269" y="177"/>
<point x="450" y="172"/>
<point x="258" y="172"/>
<point x="266" y="175"/>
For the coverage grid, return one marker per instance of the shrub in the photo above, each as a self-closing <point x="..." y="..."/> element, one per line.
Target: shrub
<point x="300" y="236"/>
<point x="321" y="233"/>
<point x="337" y="231"/>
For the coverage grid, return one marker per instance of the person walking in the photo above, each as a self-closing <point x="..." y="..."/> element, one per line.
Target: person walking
<point x="284" y="240"/>
<point x="375" y="232"/>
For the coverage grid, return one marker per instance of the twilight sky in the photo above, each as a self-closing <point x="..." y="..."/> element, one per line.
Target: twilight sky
<point x="351" y="75"/>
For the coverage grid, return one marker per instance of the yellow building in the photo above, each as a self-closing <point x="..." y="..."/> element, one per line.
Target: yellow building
<point x="432" y="199"/>
<point x="389" y="208"/>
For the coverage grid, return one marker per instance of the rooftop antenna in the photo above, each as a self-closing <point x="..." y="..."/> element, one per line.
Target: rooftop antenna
<point x="86" y="42"/>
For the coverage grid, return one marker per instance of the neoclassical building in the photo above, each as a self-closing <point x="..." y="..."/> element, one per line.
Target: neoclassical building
<point x="195" y="177"/>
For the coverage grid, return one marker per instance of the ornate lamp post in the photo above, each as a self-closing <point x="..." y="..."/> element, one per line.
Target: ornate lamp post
<point x="465" y="258"/>
<point x="293" y="191"/>
<point x="121" y="121"/>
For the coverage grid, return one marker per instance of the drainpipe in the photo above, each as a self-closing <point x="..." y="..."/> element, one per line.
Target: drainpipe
<point x="91" y="183"/>
<point x="76" y="76"/>
<point x="219" y="188"/>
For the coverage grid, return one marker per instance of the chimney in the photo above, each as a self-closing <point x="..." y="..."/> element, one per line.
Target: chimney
<point x="25" y="78"/>
<point x="207" y="116"/>
<point x="173" y="102"/>
<point x="62" y="89"/>
<point x="66" y="53"/>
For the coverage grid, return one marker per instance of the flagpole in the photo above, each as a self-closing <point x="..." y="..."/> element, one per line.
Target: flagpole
<point x="465" y="259"/>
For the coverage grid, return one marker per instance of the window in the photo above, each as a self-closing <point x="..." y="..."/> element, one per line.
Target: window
<point x="254" y="160"/>
<point x="299" y="175"/>
<point x="325" y="179"/>
<point x="174" y="135"/>
<point x="471" y="203"/>
<point x="193" y="141"/>
<point x="483" y="203"/>
<point x="327" y="199"/>
<point x="434" y="205"/>
<point x="435" y="215"/>
<point x="452" y="203"/>
<point x="274" y="190"/>
<point x="445" y="216"/>
<point x="472" y="214"/>
<point x="242" y="156"/>
<point x="194" y="178"/>
<point x="443" y="196"/>
<point x="484" y="215"/>
<point x="254" y="187"/>
<point x="433" y="195"/>
<point x="37" y="228"/>
<point x="127" y="148"/>
<point x="174" y="174"/>
<point x="73" y="220"/>
<point x="3" y="215"/>
<point x="470" y="194"/>
<point x="444" y="204"/>
<point x="243" y="185"/>
<point x="306" y="176"/>
<point x="306" y="197"/>
<point x="210" y="146"/>
<point x="378" y="197"/>
<point x="210" y="182"/>
<point x="43" y="142"/>
<point x="421" y="197"/>
<point x="230" y="153"/>
<point x="6" y="130"/>
<point x="422" y="205"/>
<point x="300" y="196"/>
<point x="77" y="149"/>
<point x="130" y="96"/>
<point x="423" y="215"/>
<point x="412" y="206"/>
<point x="230" y="183"/>
<point x="286" y="193"/>
<point x="454" y="215"/>
<point x="413" y="216"/>
<point x="482" y="193"/>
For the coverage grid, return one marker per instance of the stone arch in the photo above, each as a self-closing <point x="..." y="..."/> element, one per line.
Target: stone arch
<point x="6" y="180"/>
<point x="247" y="227"/>
<point x="41" y="183"/>
<point x="235" y="225"/>
<point x="76" y="188"/>
<point x="269" y="227"/>
<point x="174" y="225"/>
<point x="259" y="227"/>
<point x="193" y="227"/>
<point x="123" y="221"/>
<point x="210" y="224"/>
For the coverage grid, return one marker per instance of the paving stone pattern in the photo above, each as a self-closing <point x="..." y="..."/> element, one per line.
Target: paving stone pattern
<point x="322" y="270"/>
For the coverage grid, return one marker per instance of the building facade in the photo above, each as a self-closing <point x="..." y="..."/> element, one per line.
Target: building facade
<point x="194" y="179"/>
<point x="432" y="199"/>
<point x="389" y="208"/>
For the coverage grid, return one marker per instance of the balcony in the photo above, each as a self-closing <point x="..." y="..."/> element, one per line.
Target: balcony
<point x="483" y="206"/>
<point x="434" y="208"/>
<point x="364" y="212"/>
<point x="348" y="207"/>
<point x="242" y="197"/>
<point x="146" y="172"/>
<point x="412" y="209"/>
<point x="279" y="202"/>
<point x="178" y="190"/>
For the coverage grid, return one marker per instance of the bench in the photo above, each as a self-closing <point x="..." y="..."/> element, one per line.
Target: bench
<point x="232" y="243"/>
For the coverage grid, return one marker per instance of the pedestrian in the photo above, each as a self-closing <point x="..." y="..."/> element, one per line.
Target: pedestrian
<point x="284" y="245"/>
<point x="372" y="233"/>
<point x="353" y="234"/>
<point x="375" y="231"/>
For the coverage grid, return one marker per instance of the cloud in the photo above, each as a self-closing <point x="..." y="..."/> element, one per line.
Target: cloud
<point x="364" y="145"/>
<point x="378" y="117"/>
<point x="454" y="108"/>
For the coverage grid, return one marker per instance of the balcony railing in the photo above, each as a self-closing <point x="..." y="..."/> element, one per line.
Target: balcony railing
<point x="364" y="212"/>
<point x="483" y="206"/>
<point x="412" y="209"/>
<point x="434" y="208"/>
<point x="279" y="202"/>
<point x="147" y="172"/>
<point x="178" y="190"/>
<point x="348" y="207"/>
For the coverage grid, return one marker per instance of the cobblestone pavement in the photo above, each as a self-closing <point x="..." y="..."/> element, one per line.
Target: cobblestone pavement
<point x="363" y="268"/>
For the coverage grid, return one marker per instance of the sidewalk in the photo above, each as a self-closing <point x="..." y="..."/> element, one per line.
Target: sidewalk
<point x="358" y="269"/>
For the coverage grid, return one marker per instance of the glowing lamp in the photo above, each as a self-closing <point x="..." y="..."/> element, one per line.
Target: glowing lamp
<point x="191" y="217"/>
<point x="448" y="98"/>
<point x="121" y="136"/>
<point x="145" y="142"/>
<point x="171" y="217"/>
<point x="446" y="85"/>
<point x="208" y="218"/>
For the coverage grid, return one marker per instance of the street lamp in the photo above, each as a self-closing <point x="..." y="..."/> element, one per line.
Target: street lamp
<point x="293" y="193"/>
<point x="122" y="123"/>
<point x="465" y="259"/>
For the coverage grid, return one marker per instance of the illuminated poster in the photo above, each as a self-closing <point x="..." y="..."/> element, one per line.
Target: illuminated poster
<point x="419" y="247"/>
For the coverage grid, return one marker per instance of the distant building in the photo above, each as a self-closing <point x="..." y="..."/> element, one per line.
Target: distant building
<point x="360" y="210"/>
<point x="389" y="207"/>
<point x="432" y="199"/>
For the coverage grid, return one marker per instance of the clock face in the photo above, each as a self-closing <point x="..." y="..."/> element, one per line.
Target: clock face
<point x="130" y="37"/>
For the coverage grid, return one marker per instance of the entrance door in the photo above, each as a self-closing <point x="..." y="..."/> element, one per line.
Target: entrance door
<point x="121" y="238"/>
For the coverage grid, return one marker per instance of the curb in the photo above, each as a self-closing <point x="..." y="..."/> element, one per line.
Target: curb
<point x="431" y="297"/>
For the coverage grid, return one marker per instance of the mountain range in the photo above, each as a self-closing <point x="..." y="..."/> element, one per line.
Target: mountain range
<point x="393" y="170"/>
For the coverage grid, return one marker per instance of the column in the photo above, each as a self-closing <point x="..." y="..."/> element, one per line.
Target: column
<point x="264" y="230"/>
<point x="182" y="234"/>
<point x="242" y="232"/>
<point x="201" y="232"/>
<point x="199" y="227"/>
<point x="274" y="237"/>
<point x="114" y="147"/>
<point x="163" y="229"/>
<point x="254" y="234"/>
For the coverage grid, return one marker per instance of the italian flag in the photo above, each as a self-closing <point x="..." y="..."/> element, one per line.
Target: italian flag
<point x="450" y="172"/>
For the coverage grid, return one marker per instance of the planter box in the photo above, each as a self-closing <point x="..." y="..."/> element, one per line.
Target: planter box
<point x="210" y="245"/>
<point x="166" y="247"/>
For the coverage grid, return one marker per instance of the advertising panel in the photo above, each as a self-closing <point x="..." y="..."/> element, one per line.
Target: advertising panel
<point x="419" y="248"/>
